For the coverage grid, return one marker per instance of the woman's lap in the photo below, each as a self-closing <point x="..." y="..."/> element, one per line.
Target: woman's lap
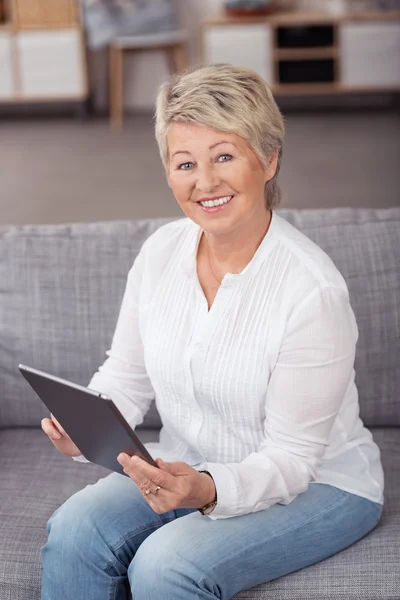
<point x="233" y="554"/>
<point x="105" y="523"/>
<point x="113" y="533"/>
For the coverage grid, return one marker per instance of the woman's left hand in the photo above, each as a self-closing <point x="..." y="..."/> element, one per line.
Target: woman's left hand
<point x="181" y="485"/>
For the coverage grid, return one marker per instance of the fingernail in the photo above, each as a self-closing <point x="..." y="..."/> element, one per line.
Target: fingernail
<point x="135" y="459"/>
<point x="56" y="436"/>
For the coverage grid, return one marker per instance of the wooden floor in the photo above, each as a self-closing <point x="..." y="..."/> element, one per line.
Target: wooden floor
<point x="62" y="170"/>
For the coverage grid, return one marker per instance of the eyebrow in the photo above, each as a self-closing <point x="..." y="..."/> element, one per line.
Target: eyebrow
<point x="210" y="148"/>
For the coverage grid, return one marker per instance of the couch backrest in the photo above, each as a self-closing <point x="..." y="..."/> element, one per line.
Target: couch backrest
<point x="61" y="287"/>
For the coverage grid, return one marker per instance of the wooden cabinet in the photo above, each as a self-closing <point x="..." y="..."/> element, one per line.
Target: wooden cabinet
<point x="249" y="46"/>
<point x="50" y="64"/>
<point x="6" y="72"/>
<point x="42" y="52"/>
<point x="28" y="12"/>
<point x="311" y="53"/>
<point x="45" y="13"/>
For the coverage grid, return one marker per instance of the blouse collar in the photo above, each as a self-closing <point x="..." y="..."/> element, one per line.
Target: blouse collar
<point x="268" y="241"/>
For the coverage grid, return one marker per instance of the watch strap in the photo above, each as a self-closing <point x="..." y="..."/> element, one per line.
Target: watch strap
<point x="208" y="508"/>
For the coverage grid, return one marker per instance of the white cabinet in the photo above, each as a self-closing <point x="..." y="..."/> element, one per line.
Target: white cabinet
<point x="370" y="54"/>
<point x="51" y="64"/>
<point x="6" y="71"/>
<point x="243" y="45"/>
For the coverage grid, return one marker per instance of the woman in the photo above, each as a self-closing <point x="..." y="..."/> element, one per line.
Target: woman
<point x="242" y="329"/>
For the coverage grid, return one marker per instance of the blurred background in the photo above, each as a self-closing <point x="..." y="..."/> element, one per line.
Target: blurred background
<point x="78" y="81"/>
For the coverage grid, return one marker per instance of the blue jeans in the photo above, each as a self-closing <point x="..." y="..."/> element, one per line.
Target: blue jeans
<point x="106" y="542"/>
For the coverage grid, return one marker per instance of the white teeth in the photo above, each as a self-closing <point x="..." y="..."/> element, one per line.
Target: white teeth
<point x="216" y="202"/>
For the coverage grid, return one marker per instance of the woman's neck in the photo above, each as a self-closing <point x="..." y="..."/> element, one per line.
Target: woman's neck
<point x="232" y="253"/>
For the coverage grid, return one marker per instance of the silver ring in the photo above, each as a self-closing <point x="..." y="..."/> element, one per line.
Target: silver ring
<point x="155" y="491"/>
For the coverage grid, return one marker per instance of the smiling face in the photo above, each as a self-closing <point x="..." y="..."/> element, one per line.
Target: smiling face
<point x="222" y="170"/>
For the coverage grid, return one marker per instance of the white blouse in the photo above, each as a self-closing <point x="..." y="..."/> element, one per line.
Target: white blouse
<point x="259" y="390"/>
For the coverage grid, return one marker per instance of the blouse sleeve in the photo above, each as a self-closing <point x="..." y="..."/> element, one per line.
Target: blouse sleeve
<point x="305" y="392"/>
<point x="123" y="376"/>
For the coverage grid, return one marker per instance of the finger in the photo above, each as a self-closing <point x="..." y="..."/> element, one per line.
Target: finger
<point x="159" y="504"/>
<point x="143" y="483"/>
<point x="147" y="484"/>
<point x="142" y="470"/>
<point x="164" y="499"/>
<point x="160" y="463"/>
<point x="59" y="426"/>
<point x="49" y="428"/>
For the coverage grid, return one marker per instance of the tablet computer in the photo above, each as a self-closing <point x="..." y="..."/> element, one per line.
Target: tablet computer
<point x="90" y="418"/>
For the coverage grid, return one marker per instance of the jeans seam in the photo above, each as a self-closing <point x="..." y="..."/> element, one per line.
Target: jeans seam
<point x="123" y="539"/>
<point x="111" y="595"/>
<point x="339" y="503"/>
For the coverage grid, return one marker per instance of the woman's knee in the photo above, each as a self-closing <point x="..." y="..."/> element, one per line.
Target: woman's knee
<point x="71" y="528"/>
<point x="82" y="527"/>
<point x="166" y="561"/>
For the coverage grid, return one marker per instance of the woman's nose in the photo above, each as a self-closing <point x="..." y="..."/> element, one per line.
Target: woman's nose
<point x="207" y="179"/>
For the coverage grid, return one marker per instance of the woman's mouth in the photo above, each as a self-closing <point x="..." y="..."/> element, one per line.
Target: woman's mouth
<point x="215" y="205"/>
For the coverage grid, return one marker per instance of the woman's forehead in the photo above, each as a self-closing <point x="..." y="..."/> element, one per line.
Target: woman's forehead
<point x="193" y="134"/>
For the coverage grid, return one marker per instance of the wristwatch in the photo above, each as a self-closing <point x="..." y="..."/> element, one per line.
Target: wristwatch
<point x="208" y="508"/>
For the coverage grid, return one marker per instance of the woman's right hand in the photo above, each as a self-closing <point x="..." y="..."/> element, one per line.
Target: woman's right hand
<point x="59" y="437"/>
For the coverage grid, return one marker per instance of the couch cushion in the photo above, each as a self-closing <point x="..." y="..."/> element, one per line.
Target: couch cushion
<point x="62" y="285"/>
<point x="365" y="246"/>
<point x="34" y="483"/>
<point x="60" y="294"/>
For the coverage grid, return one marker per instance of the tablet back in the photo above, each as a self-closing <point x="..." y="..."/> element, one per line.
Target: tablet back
<point x="90" y="418"/>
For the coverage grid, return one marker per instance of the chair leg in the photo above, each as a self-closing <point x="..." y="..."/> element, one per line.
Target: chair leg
<point x="116" y="87"/>
<point x="178" y="58"/>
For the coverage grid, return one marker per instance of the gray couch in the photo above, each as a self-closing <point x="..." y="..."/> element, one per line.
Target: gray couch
<point x="60" y="292"/>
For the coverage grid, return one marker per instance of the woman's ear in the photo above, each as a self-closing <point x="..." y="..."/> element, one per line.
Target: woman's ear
<point x="272" y="166"/>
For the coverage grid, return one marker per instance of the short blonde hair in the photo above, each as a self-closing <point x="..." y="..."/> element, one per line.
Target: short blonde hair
<point x="225" y="98"/>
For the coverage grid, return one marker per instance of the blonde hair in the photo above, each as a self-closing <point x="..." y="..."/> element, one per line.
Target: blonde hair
<point x="225" y="98"/>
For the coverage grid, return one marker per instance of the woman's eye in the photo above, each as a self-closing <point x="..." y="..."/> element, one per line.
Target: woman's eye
<point x="184" y="166"/>
<point x="225" y="156"/>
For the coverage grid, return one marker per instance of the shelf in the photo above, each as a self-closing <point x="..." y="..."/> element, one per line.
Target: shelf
<point x="305" y="53"/>
<point x="281" y="17"/>
<point x="20" y="99"/>
<point x="291" y="17"/>
<point x="48" y="27"/>
<point x="376" y="15"/>
<point x="224" y="19"/>
<point x="300" y="89"/>
<point x="326" y="18"/>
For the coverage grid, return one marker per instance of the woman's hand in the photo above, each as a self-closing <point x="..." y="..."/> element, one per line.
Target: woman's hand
<point x="59" y="437"/>
<point x="181" y="485"/>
